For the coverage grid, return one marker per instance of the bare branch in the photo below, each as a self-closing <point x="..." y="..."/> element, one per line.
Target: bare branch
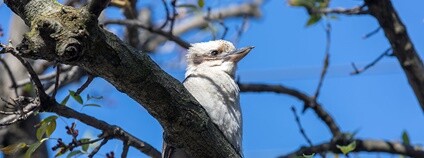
<point x="73" y="75"/>
<point x="11" y="76"/>
<point x="95" y="150"/>
<point x="85" y="85"/>
<point x="174" y="16"/>
<point x="167" y="14"/>
<point x="359" y="10"/>
<point x="358" y="71"/>
<point x="19" y="115"/>
<point x="307" y="100"/>
<point x="97" y="6"/>
<point x="326" y="62"/>
<point x="44" y="77"/>
<point x="362" y="145"/>
<point x="33" y="75"/>
<point x="137" y="23"/>
<point x="56" y="83"/>
<point x="125" y="149"/>
<point x="368" y="35"/>
<point x="301" y="129"/>
<point x="242" y="10"/>
<point x="111" y="130"/>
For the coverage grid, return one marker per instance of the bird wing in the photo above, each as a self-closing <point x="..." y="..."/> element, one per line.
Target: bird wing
<point x="218" y="94"/>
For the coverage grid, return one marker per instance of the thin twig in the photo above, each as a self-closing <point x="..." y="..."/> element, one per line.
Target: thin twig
<point x="167" y="14"/>
<point x="19" y="116"/>
<point x="56" y="83"/>
<point x="44" y="77"/>
<point x="241" y="29"/>
<point x="174" y="16"/>
<point x="137" y="23"/>
<point x="357" y="71"/>
<point x="125" y="149"/>
<point x="85" y="85"/>
<point x="221" y="22"/>
<point x="326" y="61"/>
<point x="34" y="76"/>
<point x="95" y="150"/>
<point x="111" y="130"/>
<point x="11" y="76"/>
<point x="301" y="129"/>
<point x="375" y="31"/>
<point x="74" y="74"/>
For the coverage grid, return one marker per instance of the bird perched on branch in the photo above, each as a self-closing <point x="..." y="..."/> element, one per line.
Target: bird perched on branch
<point x="210" y="79"/>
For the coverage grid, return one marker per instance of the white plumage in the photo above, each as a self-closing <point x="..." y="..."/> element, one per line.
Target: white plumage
<point x="210" y="79"/>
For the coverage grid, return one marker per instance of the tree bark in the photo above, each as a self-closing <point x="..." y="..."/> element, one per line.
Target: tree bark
<point x="402" y="46"/>
<point x="73" y="36"/>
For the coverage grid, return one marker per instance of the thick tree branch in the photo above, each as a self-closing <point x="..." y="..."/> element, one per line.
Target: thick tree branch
<point x="362" y="146"/>
<point x="72" y="36"/>
<point x="97" y="6"/>
<point x="310" y="102"/>
<point x="402" y="46"/>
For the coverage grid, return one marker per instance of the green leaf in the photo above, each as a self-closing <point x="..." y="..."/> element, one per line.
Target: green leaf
<point x="95" y="105"/>
<point x="348" y="148"/>
<point x="47" y="126"/>
<point x="12" y="149"/>
<point x="201" y="3"/>
<point x="74" y="153"/>
<point x="308" y="156"/>
<point x="313" y="19"/>
<point x="405" y="138"/>
<point x="85" y="146"/>
<point x="41" y="130"/>
<point x="302" y="3"/>
<point x="34" y="147"/>
<point x="28" y="88"/>
<point x="50" y="118"/>
<point x="64" y="101"/>
<point x="76" y="97"/>
<point x="50" y="128"/>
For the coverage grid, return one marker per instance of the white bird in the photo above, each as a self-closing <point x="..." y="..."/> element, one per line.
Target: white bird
<point x="210" y="79"/>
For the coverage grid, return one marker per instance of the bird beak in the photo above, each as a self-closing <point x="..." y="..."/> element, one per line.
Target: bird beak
<point x="238" y="54"/>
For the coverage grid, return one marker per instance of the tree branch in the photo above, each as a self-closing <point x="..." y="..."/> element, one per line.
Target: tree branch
<point x="243" y="10"/>
<point x="97" y="6"/>
<point x="111" y="130"/>
<point x="73" y="36"/>
<point x="361" y="146"/>
<point x="402" y="46"/>
<point x="310" y="102"/>
<point x="359" y="10"/>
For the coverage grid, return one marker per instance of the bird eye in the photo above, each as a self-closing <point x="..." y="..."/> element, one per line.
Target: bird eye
<point x="214" y="52"/>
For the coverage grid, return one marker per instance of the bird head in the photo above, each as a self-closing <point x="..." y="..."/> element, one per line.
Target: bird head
<point x="217" y="55"/>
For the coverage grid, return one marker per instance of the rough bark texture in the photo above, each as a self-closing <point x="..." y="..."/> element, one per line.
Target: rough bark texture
<point x="402" y="45"/>
<point x="23" y="131"/>
<point x="72" y="36"/>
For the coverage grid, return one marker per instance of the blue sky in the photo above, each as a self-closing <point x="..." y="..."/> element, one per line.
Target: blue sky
<point x="379" y="103"/>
